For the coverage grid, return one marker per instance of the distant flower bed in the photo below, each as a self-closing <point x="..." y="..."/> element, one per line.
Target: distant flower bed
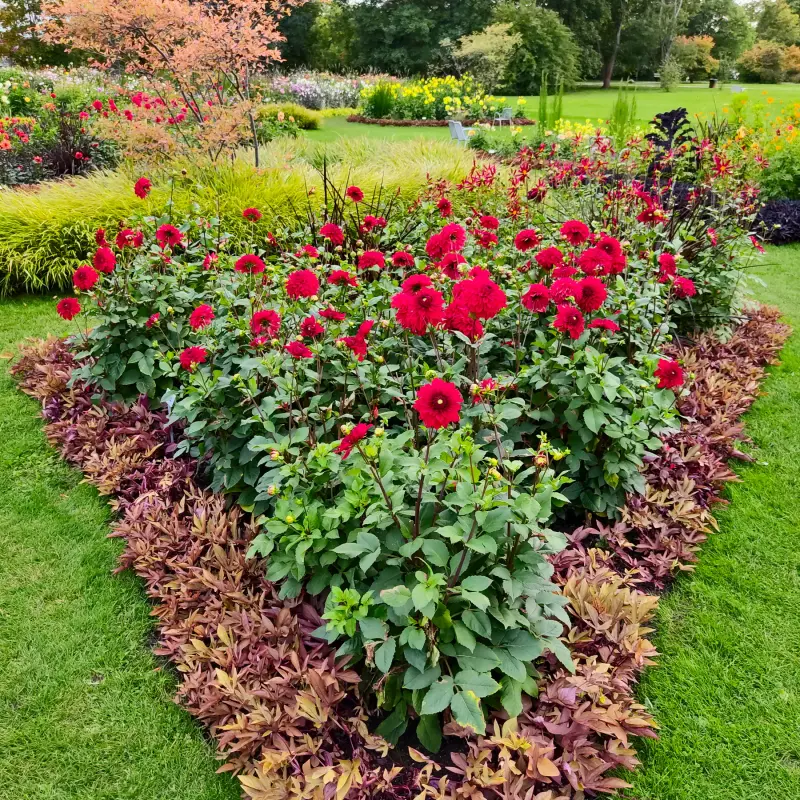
<point x="319" y="90"/>
<point x="424" y="123"/>
<point x="429" y="99"/>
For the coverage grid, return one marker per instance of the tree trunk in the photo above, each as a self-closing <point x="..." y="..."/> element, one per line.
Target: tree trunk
<point x="608" y="68"/>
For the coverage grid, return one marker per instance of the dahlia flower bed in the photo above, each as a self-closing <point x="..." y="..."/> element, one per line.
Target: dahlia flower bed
<point x="382" y="470"/>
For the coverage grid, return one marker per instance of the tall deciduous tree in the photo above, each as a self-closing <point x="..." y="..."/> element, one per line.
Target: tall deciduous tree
<point x="778" y="23"/>
<point x="19" y="39"/>
<point x="726" y="22"/>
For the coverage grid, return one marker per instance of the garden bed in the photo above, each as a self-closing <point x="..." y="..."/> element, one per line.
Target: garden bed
<point x="271" y="694"/>
<point x="428" y="123"/>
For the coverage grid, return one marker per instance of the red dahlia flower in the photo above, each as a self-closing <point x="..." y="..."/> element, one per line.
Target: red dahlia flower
<point x="564" y="271"/>
<point x="201" y="317"/>
<point x="604" y="325"/>
<point x="488" y="222"/>
<point x="250" y="263"/>
<point x="486" y="239"/>
<point x="341" y="277"/>
<point x="445" y="207"/>
<point x="354" y="193"/>
<point x="100" y="238"/>
<point x="252" y="214"/>
<point x="564" y="288"/>
<point x="536" y="298"/>
<point x="415" y="282"/>
<point x="538" y="193"/>
<point x="526" y="240"/>
<point x="594" y="261"/>
<point x="142" y="187"/>
<point x="84" y="278"/>
<point x="481" y="296"/>
<point x="152" y="320"/>
<point x="684" y="287"/>
<point x="68" y="308"/>
<point x="371" y="222"/>
<point x="569" y="320"/>
<point x="610" y="246"/>
<point x="311" y="328"/>
<point x="265" y="323"/>
<point x="457" y="318"/>
<point x="104" y="260"/>
<point x="438" y="404"/>
<point x="454" y="236"/>
<point x="168" y="236"/>
<point x="669" y="374"/>
<point x="347" y="444"/>
<point x="592" y="294"/>
<point x="575" y="232"/>
<point x="128" y="238"/>
<point x="210" y="260"/>
<point x="372" y="258"/>
<point x="418" y="309"/>
<point x="192" y="356"/>
<point x="298" y="350"/>
<point x="402" y="258"/>
<point x="333" y="233"/>
<point x="333" y="314"/>
<point x="308" y="250"/>
<point x="450" y="264"/>
<point x="549" y="257"/>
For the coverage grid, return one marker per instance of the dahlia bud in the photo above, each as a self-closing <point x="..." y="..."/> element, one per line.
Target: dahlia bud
<point x="430" y="374"/>
<point x="492" y="462"/>
<point x="275" y="455"/>
<point x="272" y="489"/>
<point x="170" y="310"/>
<point x="493" y="473"/>
<point x="346" y="428"/>
<point x="379" y="432"/>
<point x="379" y="359"/>
<point x="289" y="519"/>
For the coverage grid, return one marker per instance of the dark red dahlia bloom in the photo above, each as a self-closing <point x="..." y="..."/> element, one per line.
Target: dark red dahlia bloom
<point x="564" y="271"/>
<point x="610" y="246"/>
<point x="142" y="187"/>
<point x="311" y="328"/>
<point x="564" y="288"/>
<point x="684" y="287"/>
<point x="129" y="238"/>
<point x="333" y="233"/>
<point x="333" y="314"/>
<point x="201" y="317"/>
<point x="438" y="404"/>
<point x="308" y="250"/>
<point x="265" y="323"/>
<point x="68" y="308"/>
<point x="604" y="325"/>
<point x="210" y="260"/>
<point x="486" y="239"/>
<point x="569" y="320"/>
<point x="370" y="223"/>
<point x="152" y="320"/>
<point x="402" y="258"/>
<point x="454" y="236"/>
<point x="669" y="374"/>
<point x="526" y="240"/>
<point x="667" y="264"/>
<point x="104" y="260"/>
<point x="371" y="258"/>
<point x="592" y="294"/>
<point x="488" y="222"/>
<point x="415" y="282"/>
<point x="536" y="298"/>
<point x="365" y="327"/>
<point x="100" y="237"/>
<point x="450" y="264"/>
<point x="252" y="214"/>
<point x="594" y="261"/>
<point x="445" y="207"/>
<point x="168" y="236"/>
<point x="341" y="277"/>
<point x="617" y="265"/>
<point x="347" y="444"/>
<point x="457" y="318"/>
<point x="575" y="232"/>
<point x="418" y="309"/>
<point x="84" y="278"/>
<point x="538" y="192"/>
<point x="192" y="356"/>
<point x="358" y="344"/>
<point x="481" y="296"/>
<point x="298" y="350"/>
<point x="250" y="263"/>
<point x="549" y="257"/>
<point x="354" y="193"/>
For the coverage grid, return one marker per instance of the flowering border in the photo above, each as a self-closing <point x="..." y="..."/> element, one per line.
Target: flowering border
<point x="427" y="123"/>
<point x="286" y="714"/>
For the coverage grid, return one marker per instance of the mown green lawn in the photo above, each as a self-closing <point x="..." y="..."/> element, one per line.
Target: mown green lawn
<point x="86" y="715"/>
<point x="86" y="711"/>
<point x="594" y="104"/>
<point x="727" y="691"/>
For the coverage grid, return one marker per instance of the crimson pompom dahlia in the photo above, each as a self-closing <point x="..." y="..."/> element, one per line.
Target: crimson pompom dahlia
<point x="549" y="257"/>
<point x="349" y="441"/>
<point x="333" y="233"/>
<point x="265" y="323"/>
<point x="142" y="187"/>
<point x="418" y="309"/>
<point x="569" y="320"/>
<point x="669" y="374"/>
<point x="192" y="356"/>
<point x="564" y="288"/>
<point x="250" y="263"/>
<point x="684" y="287"/>
<point x="354" y="193"/>
<point x="168" y="236"/>
<point x="104" y="260"/>
<point x="526" y="240"/>
<point x="403" y="258"/>
<point x="536" y="298"/>
<point x="298" y="350"/>
<point x="201" y="317"/>
<point x="592" y="294"/>
<point x="481" y="296"/>
<point x="341" y="277"/>
<point x="302" y="283"/>
<point x="252" y="214"/>
<point x="68" y="308"/>
<point x="371" y="258"/>
<point x="311" y="328"/>
<point x="575" y="231"/>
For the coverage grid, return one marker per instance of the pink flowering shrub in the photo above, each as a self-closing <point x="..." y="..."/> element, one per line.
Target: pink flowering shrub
<point x="412" y="401"/>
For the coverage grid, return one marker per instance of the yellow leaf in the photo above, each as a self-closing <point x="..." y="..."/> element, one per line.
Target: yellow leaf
<point x="547" y="767"/>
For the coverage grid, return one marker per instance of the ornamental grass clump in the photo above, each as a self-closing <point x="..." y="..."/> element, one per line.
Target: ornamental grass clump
<point x="413" y="399"/>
